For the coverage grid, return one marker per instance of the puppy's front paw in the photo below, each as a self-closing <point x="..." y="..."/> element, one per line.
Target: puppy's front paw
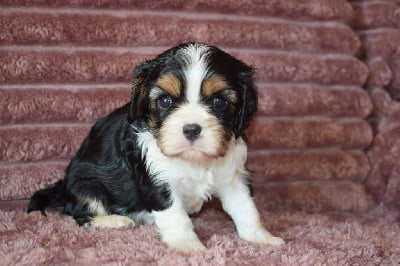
<point x="262" y="236"/>
<point x="187" y="245"/>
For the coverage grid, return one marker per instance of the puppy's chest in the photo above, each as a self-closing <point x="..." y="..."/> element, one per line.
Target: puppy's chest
<point x="195" y="186"/>
<point x="196" y="183"/>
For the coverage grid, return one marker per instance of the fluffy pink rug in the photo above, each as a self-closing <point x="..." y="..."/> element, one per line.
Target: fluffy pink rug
<point x="312" y="239"/>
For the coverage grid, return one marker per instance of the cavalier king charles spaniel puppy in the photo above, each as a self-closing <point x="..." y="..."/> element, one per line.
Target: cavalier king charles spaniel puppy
<point x="178" y="142"/>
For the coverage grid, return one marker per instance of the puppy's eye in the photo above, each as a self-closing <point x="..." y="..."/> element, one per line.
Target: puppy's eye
<point x="165" y="102"/>
<point x="219" y="103"/>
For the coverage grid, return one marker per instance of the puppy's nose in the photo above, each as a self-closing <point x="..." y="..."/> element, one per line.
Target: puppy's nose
<point x="192" y="131"/>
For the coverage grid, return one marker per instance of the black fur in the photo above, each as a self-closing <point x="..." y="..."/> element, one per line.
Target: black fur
<point x="107" y="167"/>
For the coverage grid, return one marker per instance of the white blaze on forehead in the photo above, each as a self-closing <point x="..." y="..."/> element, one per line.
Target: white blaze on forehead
<point x="195" y="70"/>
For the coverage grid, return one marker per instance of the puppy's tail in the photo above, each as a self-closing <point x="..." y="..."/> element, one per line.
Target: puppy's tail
<point x="47" y="197"/>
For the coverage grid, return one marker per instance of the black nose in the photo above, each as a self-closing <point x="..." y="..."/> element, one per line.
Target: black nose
<point x="191" y="131"/>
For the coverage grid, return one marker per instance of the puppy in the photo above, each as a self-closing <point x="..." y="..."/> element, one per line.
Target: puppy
<point x="178" y="142"/>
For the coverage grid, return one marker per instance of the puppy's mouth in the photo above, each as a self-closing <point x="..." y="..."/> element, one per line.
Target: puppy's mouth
<point x="196" y="157"/>
<point x="192" y="153"/>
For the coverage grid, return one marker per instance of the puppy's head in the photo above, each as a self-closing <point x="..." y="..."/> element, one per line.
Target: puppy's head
<point x="194" y="99"/>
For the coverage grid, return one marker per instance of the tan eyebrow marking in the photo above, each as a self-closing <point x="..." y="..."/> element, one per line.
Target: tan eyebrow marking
<point x="170" y="83"/>
<point x="214" y="84"/>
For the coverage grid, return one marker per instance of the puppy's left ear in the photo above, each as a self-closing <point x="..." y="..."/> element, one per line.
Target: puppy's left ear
<point x="248" y="103"/>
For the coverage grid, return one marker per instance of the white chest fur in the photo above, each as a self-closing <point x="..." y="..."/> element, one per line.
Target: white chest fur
<point x="194" y="183"/>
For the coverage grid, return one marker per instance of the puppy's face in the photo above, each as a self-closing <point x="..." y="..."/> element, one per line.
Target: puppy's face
<point x="194" y="99"/>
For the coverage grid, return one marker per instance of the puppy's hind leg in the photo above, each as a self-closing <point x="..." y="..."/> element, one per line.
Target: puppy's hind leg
<point x="110" y="221"/>
<point x="89" y="212"/>
<point x="103" y="218"/>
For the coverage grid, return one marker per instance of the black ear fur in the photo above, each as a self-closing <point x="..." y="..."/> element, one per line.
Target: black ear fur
<point x="139" y="105"/>
<point x="248" y="103"/>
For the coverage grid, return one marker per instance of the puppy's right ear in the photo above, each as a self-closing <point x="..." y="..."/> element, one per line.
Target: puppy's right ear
<point x="139" y="105"/>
